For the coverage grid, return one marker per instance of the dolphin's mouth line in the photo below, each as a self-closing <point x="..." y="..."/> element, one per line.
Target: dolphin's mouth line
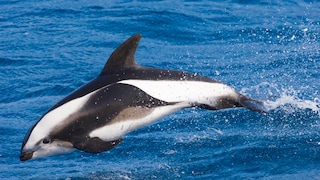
<point x="26" y="156"/>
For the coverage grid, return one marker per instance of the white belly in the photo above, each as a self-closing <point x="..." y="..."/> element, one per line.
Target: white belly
<point x="119" y="128"/>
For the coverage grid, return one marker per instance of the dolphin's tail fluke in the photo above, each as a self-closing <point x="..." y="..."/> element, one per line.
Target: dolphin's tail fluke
<point x="252" y="104"/>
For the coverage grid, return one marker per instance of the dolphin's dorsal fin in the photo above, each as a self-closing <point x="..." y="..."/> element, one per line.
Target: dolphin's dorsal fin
<point x="123" y="56"/>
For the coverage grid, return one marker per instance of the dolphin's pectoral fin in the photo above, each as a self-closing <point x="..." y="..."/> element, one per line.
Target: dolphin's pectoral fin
<point x="252" y="104"/>
<point x="96" y="145"/>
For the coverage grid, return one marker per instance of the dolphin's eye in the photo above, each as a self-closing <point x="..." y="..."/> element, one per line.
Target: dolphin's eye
<point x="46" y="141"/>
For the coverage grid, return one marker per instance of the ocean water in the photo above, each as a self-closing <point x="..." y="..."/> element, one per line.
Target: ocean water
<point x="268" y="50"/>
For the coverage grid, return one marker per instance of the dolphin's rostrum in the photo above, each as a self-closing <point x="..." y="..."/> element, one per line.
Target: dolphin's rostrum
<point x="123" y="98"/>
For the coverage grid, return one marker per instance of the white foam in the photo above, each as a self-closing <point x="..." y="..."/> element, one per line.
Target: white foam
<point x="283" y="97"/>
<point x="286" y="99"/>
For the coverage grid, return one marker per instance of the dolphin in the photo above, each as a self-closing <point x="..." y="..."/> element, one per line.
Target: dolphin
<point x="124" y="97"/>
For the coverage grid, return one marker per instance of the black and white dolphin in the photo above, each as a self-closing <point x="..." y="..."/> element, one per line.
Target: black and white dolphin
<point x="123" y="98"/>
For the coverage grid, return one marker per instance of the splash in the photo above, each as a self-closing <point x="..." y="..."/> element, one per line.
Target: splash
<point x="284" y="98"/>
<point x="287" y="99"/>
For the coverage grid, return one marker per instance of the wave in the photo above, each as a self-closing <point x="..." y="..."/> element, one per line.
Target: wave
<point x="287" y="99"/>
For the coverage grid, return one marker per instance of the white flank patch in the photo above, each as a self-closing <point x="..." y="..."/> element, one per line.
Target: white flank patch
<point x="119" y="129"/>
<point x="184" y="91"/>
<point x="53" y="118"/>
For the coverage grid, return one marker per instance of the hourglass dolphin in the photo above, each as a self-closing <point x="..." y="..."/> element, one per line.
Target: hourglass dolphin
<point x="124" y="97"/>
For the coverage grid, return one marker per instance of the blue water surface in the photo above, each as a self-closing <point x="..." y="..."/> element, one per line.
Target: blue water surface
<point x="268" y="50"/>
